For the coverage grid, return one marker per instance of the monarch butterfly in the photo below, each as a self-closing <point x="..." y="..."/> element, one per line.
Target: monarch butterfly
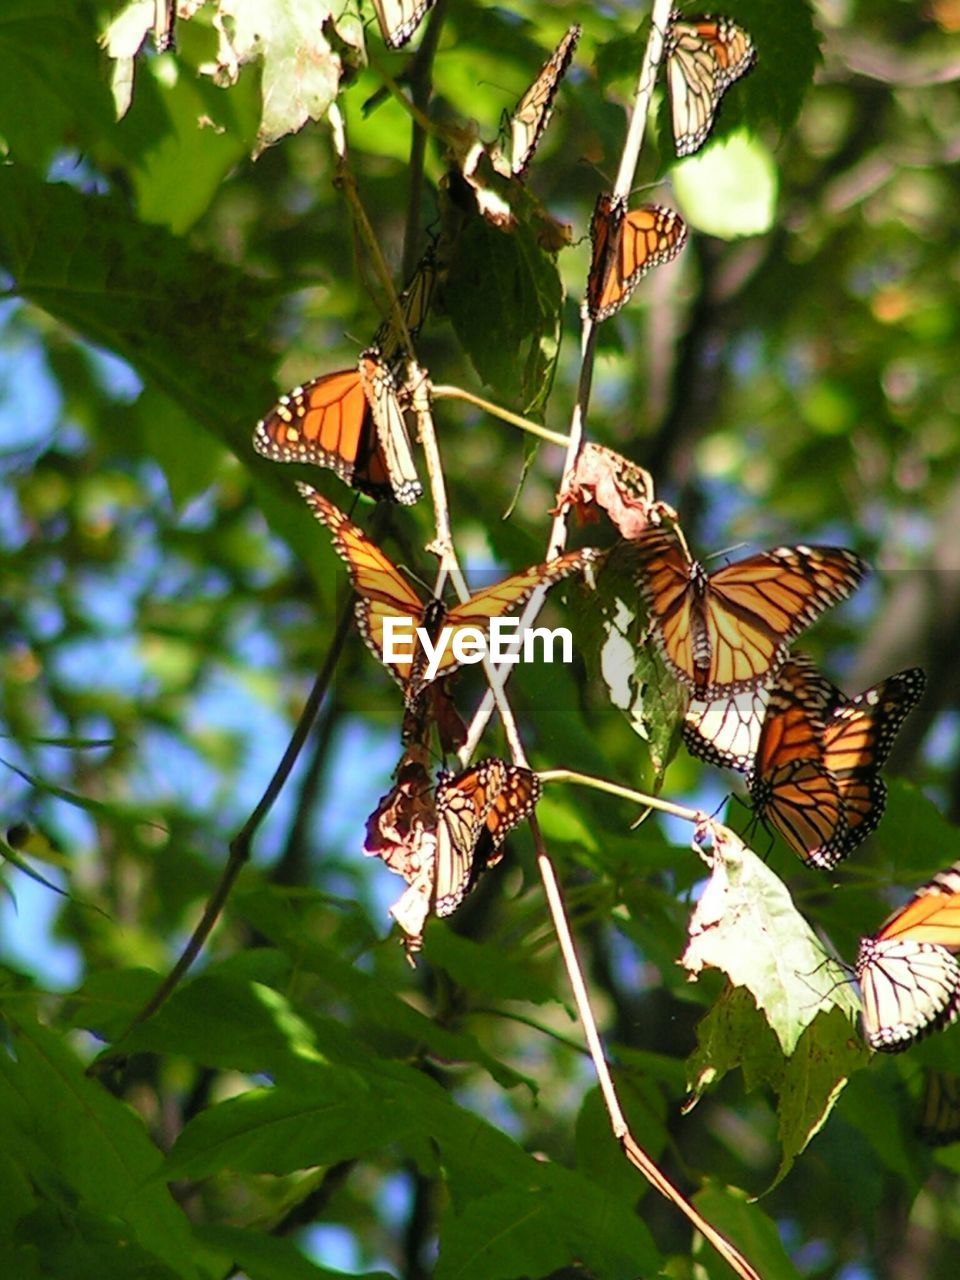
<point x="939" y="1122"/>
<point x="399" y="19"/>
<point x="532" y="113"/>
<point x="385" y="594"/>
<point x="476" y="810"/>
<point x="164" y="24"/>
<point x="350" y="421"/>
<point x="414" y="303"/>
<point x="626" y="245"/>
<point x="909" y="978"/>
<point x="816" y="775"/>
<point x="704" y="56"/>
<point x="725" y="731"/>
<point x="722" y="633"/>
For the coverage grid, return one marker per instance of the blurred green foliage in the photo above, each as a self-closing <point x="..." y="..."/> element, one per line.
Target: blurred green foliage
<point x="306" y="1104"/>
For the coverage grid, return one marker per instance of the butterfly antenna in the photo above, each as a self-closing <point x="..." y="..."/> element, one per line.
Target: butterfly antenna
<point x="734" y="546"/>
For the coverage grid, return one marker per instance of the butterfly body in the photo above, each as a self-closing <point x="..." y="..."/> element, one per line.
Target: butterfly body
<point x="626" y="245"/>
<point x="704" y="55"/>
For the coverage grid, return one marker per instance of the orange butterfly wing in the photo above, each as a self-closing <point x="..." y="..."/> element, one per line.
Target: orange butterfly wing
<point x="819" y="755"/>
<point x="382" y="589"/>
<point x="626" y="245"/>
<point x="725" y="632"/>
<point x="475" y="812"/>
<point x="532" y="113"/>
<point x="931" y="915"/>
<point x="507" y="596"/>
<point x="704" y="57"/>
<point x="350" y="421"/>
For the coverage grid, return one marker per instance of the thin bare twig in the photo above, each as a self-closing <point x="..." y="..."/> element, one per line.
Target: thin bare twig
<point x="449" y="392"/>
<point x="240" y="844"/>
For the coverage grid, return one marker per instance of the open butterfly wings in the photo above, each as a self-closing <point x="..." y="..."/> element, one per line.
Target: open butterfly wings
<point x="705" y="55"/>
<point x="350" y="421"/>
<point x="626" y="245"/>
<point x="532" y="113"/>
<point x="816" y="776"/>
<point x="385" y="593"/>
<point x="475" y="813"/>
<point x="724" y="632"/>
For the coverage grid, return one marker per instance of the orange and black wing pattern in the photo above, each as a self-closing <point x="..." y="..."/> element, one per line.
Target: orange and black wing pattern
<point x="816" y="776"/>
<point x="350" y="421"/>
<point x="476" y="810"/>
<point x="532" y="113"/>
<point x="727" y="631"/>
<point x="382" y="590"/>
<point x="705" y="55"/>
<point x="626" y="245"/>
<point x="506" y="597"/>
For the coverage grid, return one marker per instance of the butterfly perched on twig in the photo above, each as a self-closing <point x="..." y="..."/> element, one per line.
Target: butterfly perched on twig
<point x="626" y="245"/>
<point x="384" y="594"/>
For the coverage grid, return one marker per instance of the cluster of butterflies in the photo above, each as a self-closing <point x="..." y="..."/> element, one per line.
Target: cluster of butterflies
<point x="440" y="840"/>
<point x="811" y="755"/>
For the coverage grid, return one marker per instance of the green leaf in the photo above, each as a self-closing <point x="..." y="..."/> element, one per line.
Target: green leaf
<point x="521" y="1232"/>
<point x="51" y="90"/>
<point x="386" y="1022"/>
<point x="748" y="1227"/>
<point x="504" y="297"/>
<point x="96" y="1145"/>
<point x="265" y="1257"/>
<point x="85" y="260"/>
<point x="300" y="73"/>
<point x="342" y="1115"/>
<point x="488" y="969"/>
<point x="230" y="1023"/>
<point x="746" y="925"/>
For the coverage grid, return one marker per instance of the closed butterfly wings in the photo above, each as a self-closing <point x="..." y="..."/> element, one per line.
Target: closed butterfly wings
<point x="385" y="593"/>
<point x="724" y="632"/>
<point x="399" y="19"/>
<point x="705" y="55"/>
<point x="475" y="813"/>
<point x="816" y="776"/>
<point x="909" y="977"/>
<point x="626" y="245"/>
<point x="532" y="113"/>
